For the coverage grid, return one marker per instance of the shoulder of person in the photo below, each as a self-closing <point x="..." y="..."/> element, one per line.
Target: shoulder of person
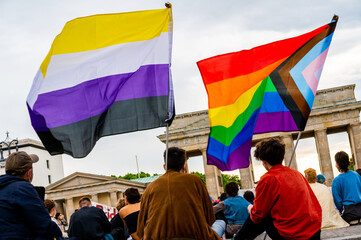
<point x="93" y="208"/>
<point x="191" y="176"/>
<point x="24" y="188"/>
<point x="123" y="211"/>
<point x="266" y="177"/>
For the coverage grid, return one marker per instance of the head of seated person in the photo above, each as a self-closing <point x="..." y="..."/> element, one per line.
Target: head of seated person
<point x="249" y="196"/>
<point x="271" y="152"/>
<point x="132" y="196"/>
<point x="84" y="202"/>
<point x="342" y="161"/>
<point x="310" y="175"/>
<point x="232" y="189"/>
<point x="176" y="159"/>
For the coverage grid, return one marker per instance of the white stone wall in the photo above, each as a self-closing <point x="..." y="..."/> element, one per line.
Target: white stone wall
<point x="41" y="171"/>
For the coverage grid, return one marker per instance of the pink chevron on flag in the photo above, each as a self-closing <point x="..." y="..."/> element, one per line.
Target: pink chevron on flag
<point x="313" y="71"/>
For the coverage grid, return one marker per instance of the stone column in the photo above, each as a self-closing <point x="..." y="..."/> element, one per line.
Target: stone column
<point x="289" y="147"/>
<point x="324" y="157"/>
<point x="94" y="197"/>
<point x="354" y="136"/>
<point x="246" y="176"/>
<point x="113" y="198"/>
<point x="120" y="195"/>
<point x="213" y="177"/>
<point x="69" y="208"/>
<point x="59" y="206"/>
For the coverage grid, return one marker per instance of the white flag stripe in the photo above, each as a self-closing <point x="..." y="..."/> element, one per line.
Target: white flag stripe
<point x="68" y="70"/>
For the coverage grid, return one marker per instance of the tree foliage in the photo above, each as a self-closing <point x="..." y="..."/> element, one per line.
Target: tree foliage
<point x="230" y="178"/>
<point x="201" y="175"/>
<point x="352" y="165"/>
<point x="130" y="176"/>
<point x="225" y="178"/>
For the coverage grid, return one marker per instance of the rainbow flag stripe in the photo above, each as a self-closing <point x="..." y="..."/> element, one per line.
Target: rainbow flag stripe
<point x="268" y="88"/>
<point x="104" y="74"/>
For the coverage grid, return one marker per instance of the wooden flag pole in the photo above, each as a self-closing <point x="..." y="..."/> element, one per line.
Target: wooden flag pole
<point x="166" y="148"/>
<point x="294" y="150"/>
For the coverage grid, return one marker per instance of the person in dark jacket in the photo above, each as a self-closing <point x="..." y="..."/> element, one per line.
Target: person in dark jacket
<point x="22" y="212"/>
<point x="88" y="223"/>
<point x="118" y="230"/>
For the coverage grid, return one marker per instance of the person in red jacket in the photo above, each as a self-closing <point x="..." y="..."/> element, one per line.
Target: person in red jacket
<point x="285" y="205"/>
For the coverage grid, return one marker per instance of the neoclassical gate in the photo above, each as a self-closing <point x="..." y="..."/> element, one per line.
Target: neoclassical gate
<point x="334" y="110"/>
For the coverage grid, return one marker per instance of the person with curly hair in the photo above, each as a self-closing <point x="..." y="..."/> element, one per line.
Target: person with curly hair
<point x="285" y="205"/>
<point x="346" y="189"/>
<point x="330" y="217"/>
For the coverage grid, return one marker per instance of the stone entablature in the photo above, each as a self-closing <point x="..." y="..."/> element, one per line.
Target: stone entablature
<point x="334" y="110"/>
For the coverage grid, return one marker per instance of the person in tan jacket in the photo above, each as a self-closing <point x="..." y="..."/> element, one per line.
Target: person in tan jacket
<point x="176" y="205"/>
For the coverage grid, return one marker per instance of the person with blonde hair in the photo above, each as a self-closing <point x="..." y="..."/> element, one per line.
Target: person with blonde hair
<point x="330" y="217"/>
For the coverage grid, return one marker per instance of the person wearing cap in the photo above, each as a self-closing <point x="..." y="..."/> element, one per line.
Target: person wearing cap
<point x="22" y="212"/>
<point x="321" y="179"/>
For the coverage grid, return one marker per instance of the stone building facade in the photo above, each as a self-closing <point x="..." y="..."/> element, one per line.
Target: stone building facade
<point x="47" y="170"/>
<point x="334" y="110"/>
<point x="101" y="189"/>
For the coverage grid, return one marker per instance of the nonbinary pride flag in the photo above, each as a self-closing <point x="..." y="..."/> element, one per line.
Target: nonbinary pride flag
<point x="268" y="88"/>
<point x="104" y="75"/>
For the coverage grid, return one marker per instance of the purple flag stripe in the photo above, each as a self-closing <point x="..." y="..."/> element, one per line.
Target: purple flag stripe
<point x="93" y="97"/>
<point x="275" y="122"/>
<point x="239" y="158"/>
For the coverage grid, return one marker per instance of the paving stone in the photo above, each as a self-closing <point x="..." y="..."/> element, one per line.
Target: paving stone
<point x="347" y="233"/>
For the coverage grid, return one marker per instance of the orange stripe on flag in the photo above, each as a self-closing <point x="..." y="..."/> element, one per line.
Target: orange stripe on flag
<point x="235" y="87"/>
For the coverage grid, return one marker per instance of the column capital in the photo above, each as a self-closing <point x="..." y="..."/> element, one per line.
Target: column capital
<point x="203" y="150"/>
<point x="355" y="124"/>
<point x="321" y="130"/>
<point x="286" y="136"/>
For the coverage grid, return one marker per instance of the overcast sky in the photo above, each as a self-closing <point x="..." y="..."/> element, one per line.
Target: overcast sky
<point x="201" y="29"/>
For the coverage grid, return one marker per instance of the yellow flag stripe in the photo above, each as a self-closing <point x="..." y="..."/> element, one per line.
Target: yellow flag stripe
<point x="98" y="31"/>
<point x="225" y="116"/>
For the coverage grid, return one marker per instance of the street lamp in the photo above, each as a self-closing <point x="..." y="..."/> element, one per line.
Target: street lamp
<point x="7" y="142"/>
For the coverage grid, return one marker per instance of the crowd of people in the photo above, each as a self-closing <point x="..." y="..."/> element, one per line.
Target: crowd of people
<point x="285" y="204"/>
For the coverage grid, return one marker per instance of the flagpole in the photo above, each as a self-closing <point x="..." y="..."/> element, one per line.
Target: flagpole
<point x="166" y="148"/>
<point x="136" y="159"/>
<point x="169" y="6"/>
<point x="294" y="150"/>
